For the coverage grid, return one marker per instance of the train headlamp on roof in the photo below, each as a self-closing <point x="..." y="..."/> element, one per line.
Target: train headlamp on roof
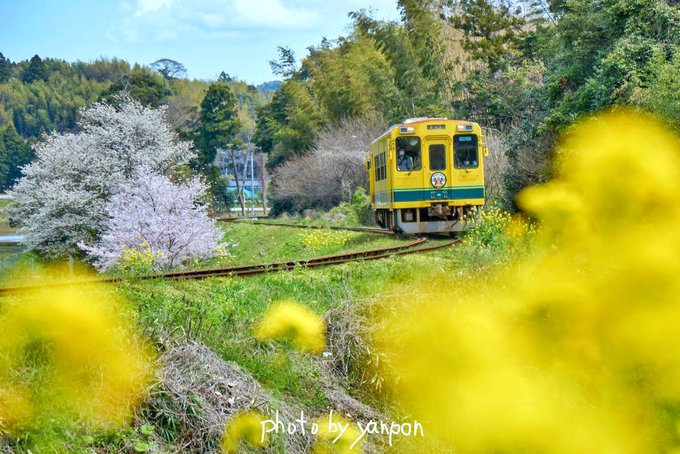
<point x="464" y="127"/>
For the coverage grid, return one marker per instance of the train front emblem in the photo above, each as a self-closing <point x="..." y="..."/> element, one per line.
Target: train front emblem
<point x="438" y="180"/>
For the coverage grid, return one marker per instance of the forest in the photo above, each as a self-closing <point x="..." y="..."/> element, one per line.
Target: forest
<point x="42" y="96"/>
<point x="525" y="72"/>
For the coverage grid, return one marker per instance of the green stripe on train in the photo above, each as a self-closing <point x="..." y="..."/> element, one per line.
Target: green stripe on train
<point x="430" y="195"/>
<point x="429" y="188"/>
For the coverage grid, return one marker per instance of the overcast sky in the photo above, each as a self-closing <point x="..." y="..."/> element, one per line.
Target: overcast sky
<point x="207" y="36"/>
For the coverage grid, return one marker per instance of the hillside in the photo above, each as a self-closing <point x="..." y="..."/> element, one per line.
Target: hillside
<point x="38" y="96"/>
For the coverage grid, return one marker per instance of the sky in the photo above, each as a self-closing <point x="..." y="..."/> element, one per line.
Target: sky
<point x="238" y="37"/>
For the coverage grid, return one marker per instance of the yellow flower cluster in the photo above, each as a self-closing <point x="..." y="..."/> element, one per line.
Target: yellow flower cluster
<point x="316" y="239"/>
<point x="139" y="259"/>
<point x="294" y="322"/>
<point x="223" y="251"/>
<point x="338" y="437"/>
<point x="574" y="347"/>
<point x="496" y="228"/>
<point x="67" y="354"/>
<point x="245" y="428"/>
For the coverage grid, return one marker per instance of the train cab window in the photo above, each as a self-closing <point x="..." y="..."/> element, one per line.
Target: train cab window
<point x="438" y="157"/>
<point x="465" y="151"/>
<point x="408" y="153"/>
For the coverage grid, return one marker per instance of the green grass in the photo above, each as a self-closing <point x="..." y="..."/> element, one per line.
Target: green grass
<point x="253" y="243"/>
<point x="221" y="312"/>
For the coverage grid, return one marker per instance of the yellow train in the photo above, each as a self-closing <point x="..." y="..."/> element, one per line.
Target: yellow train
<point x="427" y="175"/>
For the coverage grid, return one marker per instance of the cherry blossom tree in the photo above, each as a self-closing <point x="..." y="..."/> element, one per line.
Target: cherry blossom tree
<point x="61" y="198"/>
<point x="159" y="216"/>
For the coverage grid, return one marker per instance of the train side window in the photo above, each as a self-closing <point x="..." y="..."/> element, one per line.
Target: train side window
<point x="408" y="153"/>
<point x="438" y="157"/>
<point x="465" y="151"/>
<point x="379" y="168"/>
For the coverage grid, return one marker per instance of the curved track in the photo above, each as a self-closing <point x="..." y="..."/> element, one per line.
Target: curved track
<point x="410" y="247"/>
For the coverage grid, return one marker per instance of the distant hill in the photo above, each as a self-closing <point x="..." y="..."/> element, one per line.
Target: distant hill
<point x="269" y="87"/>
<point x="38" y="96"/>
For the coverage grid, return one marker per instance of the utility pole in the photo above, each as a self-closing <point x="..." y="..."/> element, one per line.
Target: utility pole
<point x="252" y="185"/>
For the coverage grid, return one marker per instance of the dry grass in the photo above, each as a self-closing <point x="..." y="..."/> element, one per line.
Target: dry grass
<point x="198" y="392"/>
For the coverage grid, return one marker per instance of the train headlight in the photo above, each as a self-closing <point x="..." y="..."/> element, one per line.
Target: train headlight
<point x="461" y="128"/>
<point x="407" y="130"/>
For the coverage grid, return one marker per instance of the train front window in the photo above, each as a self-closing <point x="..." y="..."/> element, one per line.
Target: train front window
<point x="408" y="153"/>
<point x="465" y="151"/>
<point x="438" y="157"/>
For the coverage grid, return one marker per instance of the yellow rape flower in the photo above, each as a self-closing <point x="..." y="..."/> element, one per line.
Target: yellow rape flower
<point x="332" y="440"/>
<point x="574" y="347"/>
<point x="244" y="428"/>
<point x="316" y="239"/>
<point x="293" y="321"/>
<point x="68" y="354"/>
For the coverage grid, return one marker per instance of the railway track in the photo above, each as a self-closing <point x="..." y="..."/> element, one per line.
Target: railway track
<point x="411" y="247"/>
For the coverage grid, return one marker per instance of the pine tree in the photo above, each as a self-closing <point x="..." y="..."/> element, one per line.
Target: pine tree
<point x="35" y="71"/>
<point x="219" y="122"/>
<point x="14" y="153"/>
<point x="5" y="69"/>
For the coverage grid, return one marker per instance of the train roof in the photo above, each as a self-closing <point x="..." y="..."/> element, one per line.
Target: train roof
<point x="411" y="121"/>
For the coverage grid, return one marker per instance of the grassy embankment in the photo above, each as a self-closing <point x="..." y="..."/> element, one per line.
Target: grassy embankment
<point x="221" y="313"/>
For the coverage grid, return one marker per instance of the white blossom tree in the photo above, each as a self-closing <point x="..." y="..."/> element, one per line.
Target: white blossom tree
<point x="62" y="195"/>
<point x="157" y="215"/>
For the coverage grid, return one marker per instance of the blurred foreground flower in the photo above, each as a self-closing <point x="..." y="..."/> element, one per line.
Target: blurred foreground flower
<point x="244" y="428"/>
<point x="289" y="320"/>
<point x="337" y="435"/>
<point x="67" y="354"/>
<point x="575" y="347"/>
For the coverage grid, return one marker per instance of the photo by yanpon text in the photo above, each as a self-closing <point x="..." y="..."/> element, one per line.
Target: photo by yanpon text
<point x="339" y="426"/>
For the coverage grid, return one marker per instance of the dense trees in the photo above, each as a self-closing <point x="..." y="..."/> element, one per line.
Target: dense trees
<point x="526" y="74"/>
<point x="14" y="153"/>
<point x="51" y="101"/>
<point x="605" y="52"/>
<point x="142" y="86"/>
<point x="5" y="69"/>
<point x="35" y="71"/>
<point x="218" y="128"/>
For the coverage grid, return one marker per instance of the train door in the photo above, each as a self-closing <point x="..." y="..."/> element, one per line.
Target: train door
<point x="408" y="169"/>
<point x="438" y="175"/>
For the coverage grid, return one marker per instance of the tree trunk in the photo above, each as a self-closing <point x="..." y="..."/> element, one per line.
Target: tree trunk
<point x="239" y="189"/>
<point x="263" y="181"/>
